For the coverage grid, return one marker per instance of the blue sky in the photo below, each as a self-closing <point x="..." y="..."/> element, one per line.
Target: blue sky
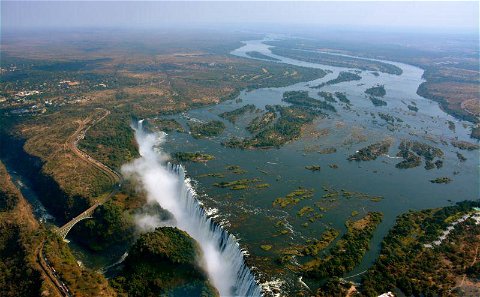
<point x="436" y="16"/>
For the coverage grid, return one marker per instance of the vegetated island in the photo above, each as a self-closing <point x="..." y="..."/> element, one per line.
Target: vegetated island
<point x="371" y="152"/>
<point x="232" y="116"/>
<point x="441" y="180"/>
<point x="334" y="60"/>
<point x="327" y="96"/>
<point x="342" y="97"/>
<point x="286" y="128"/>
<point x="377" y="102"/>
<point x="347" y="252"/>
<point x="165" y="125"/>
<point x="343" y="76"/>
<point x="465" y="145"/>
<point x="411" y="151"/>
<point x="193" y="157"/>
<point x="412" y="108"/>
<point x="301" y="98"/>
<point x="313" y="167"/>
<point x="259" y="55"/>
<point x="377" y="91"/>
<point x="260" y="122"/>
<point x="208" y="129"/>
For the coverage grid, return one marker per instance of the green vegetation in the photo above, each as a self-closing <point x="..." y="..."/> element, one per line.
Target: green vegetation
<point x="314" y="247"/>
<point x="208" y="129"/>
<point x="327" y="96"/>
<point x="441" y="180"/>
<point x="371" y="152"/>
<point x="109" y="226"/>
<point x="294" y="197"/>
<point x="461" y="157"/>
<point x="310" y="249"/>
<point x="80" y="280"/>
<point x="240" y="184"/>
<point x="301" y="99"/>
<point x="333" y="60"/>
<point x="412" y="151"/>
<point x="260" y="123"/>
<point x="232" y="116"/>
<point x="387" y="117"/>
<point x="266" y="247"/>
<point x="451" y="126"/>
<point x="313" y="167"/>
<point x="406" y="263"/>
<point x="348" y="251"/>
<point x="412" y="108"/>
<point x="111" y="141"/>
<point x="475" y="132"/>
<point x="342" y="97"/>
<point x="287" y="128"/>
<point x="19" y="239"/>
<point x="464" y="145"/>
<point x="235" y="169"/>
<point x="342" y="77"/>
<point x="214" y="174"/>
<point x="305" y="210"/>
<point x="259" y="55"/>
<point x="165" y="125"/>
<point x="193" y="157"/>
<point x="163" y="263"/>
<point x="377" y="102"/>
<point x="377" y="91"/>
<point x="328" y="150"/>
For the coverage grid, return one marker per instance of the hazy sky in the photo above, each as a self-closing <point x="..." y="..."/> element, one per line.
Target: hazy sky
<point x="439" y="16"/>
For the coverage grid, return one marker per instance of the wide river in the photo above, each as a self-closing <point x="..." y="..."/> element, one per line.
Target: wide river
<point x="249" y="214"/>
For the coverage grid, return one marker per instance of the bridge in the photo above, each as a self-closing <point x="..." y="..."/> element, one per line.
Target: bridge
<point x="87" y="214"/>
<point x="115" y="177"/>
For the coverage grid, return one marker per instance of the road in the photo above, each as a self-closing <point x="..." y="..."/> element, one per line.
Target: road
<point x="115" y="177"/>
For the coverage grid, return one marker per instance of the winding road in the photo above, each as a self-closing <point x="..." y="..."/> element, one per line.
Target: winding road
<point x="116" y="179"/>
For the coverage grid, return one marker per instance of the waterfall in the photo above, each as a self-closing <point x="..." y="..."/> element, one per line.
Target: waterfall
<point x="165" y="184"/>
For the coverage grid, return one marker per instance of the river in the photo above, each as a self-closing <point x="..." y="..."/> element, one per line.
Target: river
<point x="250" y="215"/>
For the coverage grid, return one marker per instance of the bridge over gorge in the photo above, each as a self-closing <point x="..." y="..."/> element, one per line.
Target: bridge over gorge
<point x="114" y="176"/>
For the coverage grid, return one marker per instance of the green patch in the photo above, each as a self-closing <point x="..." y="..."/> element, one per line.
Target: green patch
<point x="193" y="157"/>
<point x="348" y="251"/>
<point x="377" y="91"/>
<point x="266" y="247"/>
<point x="441" y="180"/>
<point x="313" y="167"/>
<point x="165" y="125"/>
<point x="286" y="128"/>
<point x="240" y="184"/>
<point x="305" y="210"/>
<point x="235" y="169"/>
<point x="208" y="129"/>
<point x="294" y="197"/>
<point x="233" y="115"/>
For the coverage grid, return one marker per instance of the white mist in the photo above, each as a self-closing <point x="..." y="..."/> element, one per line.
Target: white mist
<point x="165" y="184"/>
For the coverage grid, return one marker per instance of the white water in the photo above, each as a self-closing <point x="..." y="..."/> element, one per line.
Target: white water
<point x="166" y="185"/>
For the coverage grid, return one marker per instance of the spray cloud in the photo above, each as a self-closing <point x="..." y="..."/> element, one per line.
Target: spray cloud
<point x="166" y="185"/>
